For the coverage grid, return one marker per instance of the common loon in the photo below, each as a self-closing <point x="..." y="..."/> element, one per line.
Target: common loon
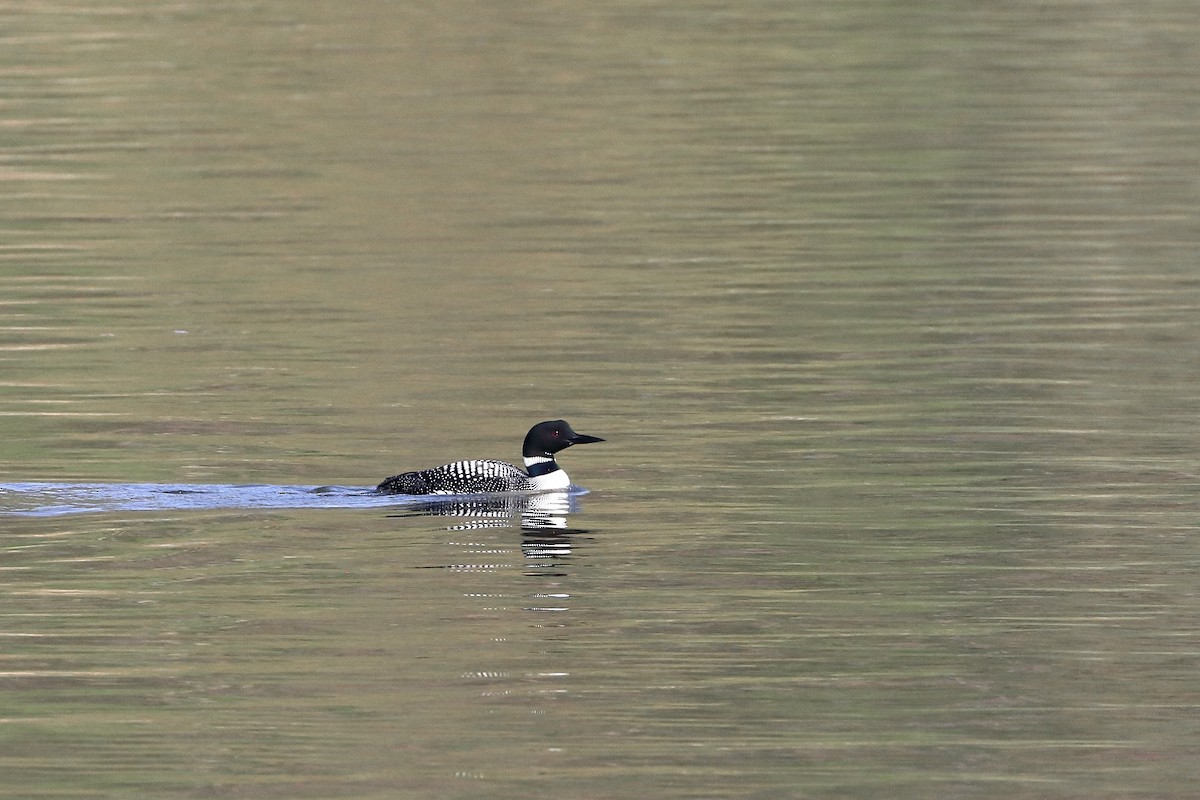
<point x="478" y="477"/>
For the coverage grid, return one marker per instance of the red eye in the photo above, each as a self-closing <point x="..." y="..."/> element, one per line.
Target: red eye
<point x="556" y="433"/>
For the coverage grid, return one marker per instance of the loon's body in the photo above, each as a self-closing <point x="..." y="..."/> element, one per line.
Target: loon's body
<point x="541" y="472"/>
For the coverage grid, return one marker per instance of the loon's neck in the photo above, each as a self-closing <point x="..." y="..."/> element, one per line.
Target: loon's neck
<point x="538" y="466"/>
<point x="546" y="473"/>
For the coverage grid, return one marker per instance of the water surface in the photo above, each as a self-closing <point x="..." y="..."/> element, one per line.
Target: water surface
<point x="888" y="316"/>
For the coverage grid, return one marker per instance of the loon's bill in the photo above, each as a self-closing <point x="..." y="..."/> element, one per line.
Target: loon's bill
<point x="541" y="471"/>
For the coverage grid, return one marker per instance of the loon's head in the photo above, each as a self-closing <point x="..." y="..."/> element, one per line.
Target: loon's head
<point x="547" y="438"/>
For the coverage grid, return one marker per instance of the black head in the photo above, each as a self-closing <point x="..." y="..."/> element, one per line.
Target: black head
<point x="547" y="438"/>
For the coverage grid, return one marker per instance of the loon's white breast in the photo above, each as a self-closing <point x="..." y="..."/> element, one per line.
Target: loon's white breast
<point x="555" y="479"/>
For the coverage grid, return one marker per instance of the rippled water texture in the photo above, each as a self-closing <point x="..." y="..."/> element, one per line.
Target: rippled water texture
<point x="888" y="314"/>
<point x="51" y="499"/>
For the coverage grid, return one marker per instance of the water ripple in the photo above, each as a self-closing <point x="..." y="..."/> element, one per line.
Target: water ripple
<point x="47" y="499"/>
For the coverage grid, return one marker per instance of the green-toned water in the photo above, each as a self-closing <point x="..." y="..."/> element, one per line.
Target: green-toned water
<point x="888" y="314"/>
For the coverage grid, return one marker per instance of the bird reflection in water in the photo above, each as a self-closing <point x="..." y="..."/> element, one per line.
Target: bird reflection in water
<point x="542" y="518"/>
<point x="545" y="510"/>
